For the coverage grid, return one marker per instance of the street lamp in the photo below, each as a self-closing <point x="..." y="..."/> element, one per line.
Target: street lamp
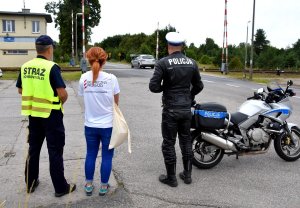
<point x="72" y="35"/>
<point x="83" y="33"/>
<point x="252" y="37"/>
<point x="246" y="50"/>
<point x="76" y="35"/>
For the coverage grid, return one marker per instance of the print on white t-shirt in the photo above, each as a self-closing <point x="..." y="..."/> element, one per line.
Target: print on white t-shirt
<point x="98" y="98"/>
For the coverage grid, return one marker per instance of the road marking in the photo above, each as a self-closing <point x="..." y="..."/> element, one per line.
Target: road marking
<point x="254" y="89"/>
<point x="208" y="81"/>
<point x="296" y="97"/>
<point x="232" y="85"/>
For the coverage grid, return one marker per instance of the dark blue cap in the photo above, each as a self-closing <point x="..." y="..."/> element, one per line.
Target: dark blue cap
<point x="44" y="40"/>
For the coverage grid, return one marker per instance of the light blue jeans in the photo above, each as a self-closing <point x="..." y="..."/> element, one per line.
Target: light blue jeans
<point x="93" y="138"/>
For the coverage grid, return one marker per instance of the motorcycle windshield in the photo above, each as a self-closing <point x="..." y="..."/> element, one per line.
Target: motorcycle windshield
<point x="274" y="86"/>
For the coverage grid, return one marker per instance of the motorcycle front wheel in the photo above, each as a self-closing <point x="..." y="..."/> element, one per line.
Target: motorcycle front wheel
<point x="206" y="155"/>
<point x="286" y="148"/>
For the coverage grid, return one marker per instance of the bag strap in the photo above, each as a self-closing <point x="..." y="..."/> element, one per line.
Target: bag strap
<point x="113" y="88"/>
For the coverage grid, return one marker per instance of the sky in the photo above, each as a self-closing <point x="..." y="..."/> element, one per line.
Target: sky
<point x="196" y="20"/>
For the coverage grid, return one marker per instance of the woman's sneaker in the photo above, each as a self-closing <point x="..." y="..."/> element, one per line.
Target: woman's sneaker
<point x="103" y="189"/>
<point x="88" y="189"/>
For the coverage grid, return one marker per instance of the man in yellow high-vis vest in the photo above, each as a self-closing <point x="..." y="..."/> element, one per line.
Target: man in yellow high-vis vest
<point x="43" y="94"/>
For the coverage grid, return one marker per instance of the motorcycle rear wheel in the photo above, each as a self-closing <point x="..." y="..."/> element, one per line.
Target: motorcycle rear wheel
<point x="285" y="148"/>
<point x="204" y="158"/>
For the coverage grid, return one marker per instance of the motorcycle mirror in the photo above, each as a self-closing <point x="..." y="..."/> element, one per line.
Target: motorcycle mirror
<point x="260" y="90"/>
<point x="290" y="83"/>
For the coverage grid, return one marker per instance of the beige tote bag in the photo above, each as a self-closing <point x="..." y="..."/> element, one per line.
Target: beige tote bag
<point x="120" y="131"/>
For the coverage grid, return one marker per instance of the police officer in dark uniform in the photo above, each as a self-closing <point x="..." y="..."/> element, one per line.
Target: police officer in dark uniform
<point x="178" y="77"/>
<point x="43" y="94"/>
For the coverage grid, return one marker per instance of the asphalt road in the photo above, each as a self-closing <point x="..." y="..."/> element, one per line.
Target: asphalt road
<point x="250" y="181"/>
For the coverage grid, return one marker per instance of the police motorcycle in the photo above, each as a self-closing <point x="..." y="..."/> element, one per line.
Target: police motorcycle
<point x="250" y="130"/>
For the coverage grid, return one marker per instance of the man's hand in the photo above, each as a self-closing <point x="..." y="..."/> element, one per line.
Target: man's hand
<point x="116" y="98"/>
<point x="20" y="91"/>
<point x="62" y="94"/>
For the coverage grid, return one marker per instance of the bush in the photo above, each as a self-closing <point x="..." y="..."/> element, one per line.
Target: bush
<point x="205" y="60"/>
<point x="235" y="63"/>
<point x="191" y="54"/>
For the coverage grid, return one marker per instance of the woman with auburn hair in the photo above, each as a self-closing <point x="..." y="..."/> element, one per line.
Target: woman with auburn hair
<point x="99" y="90"/>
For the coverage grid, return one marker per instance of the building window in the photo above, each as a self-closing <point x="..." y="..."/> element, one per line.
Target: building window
<point x="15" y="52"/>
<point x="8" y="25"/>
<point x="35" y="26"/>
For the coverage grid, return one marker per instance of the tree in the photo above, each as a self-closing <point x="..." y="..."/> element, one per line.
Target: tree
<point x="265" y="56"/>
<point x="209" y="48"/>
<point x="191" y="51"/>
<point x="205" y="60"/>
<point x="290" y="59"/>
<point x="260" y="42"/>
<point x="110" y="42"/>
<point x="235" y="63"/>
<point x="136" y="44"/>
<point x="296" y="49"/>
<point x="145" y="49"/>
<point x="270" y="58"/>
<point x="63" y="20"/>
<point x="132" y="43"/>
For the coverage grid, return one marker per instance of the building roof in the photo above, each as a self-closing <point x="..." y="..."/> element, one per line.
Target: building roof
<point x="26" y="12"/>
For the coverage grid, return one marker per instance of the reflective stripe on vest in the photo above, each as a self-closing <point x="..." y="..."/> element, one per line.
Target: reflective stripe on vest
<point x="37" y="94"/>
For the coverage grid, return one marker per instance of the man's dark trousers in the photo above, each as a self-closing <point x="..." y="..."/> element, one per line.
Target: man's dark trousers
<point x="53" y="129"/>
<point x="176" y="121"/>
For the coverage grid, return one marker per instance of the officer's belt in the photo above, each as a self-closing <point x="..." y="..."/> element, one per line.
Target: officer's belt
<point x="176" y="100"/>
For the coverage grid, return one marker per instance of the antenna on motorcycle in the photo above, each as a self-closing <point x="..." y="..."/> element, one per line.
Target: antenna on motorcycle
<point x="289" y="83"/>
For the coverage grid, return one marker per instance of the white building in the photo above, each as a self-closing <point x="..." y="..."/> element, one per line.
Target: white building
<point x="19" y="31"/>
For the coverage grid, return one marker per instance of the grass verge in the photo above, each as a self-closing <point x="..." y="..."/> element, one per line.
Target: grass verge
<point x="9" y="75"/>
<point x="71" y="76"/>
<point x="67" y="76"/>
<point x="257" y="77"/>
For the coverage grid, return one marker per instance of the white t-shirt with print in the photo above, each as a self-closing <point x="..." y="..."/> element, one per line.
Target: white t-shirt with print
<point x="98" y="98"/>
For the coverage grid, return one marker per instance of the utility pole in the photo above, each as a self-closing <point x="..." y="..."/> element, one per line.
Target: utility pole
<point x="252" y="40"/>
<point x="224" y="66"/>
<point x="76" y="45"/>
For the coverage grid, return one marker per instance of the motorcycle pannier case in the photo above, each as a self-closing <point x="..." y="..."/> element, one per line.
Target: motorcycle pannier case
<point x="209" y="116"/>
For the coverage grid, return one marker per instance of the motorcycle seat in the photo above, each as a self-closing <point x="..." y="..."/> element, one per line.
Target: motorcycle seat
<point x="237" y="118"/>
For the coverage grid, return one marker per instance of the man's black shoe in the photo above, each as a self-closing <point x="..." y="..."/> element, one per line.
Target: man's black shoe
<point x="32" y="189"/>
<point x="171" y="180"/>
<point x="185" y="178"/>
<point x="71" y="187"/>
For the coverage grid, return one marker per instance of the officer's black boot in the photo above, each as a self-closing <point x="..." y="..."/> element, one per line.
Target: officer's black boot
<point x="170" y="178"/>
<point x="186" y="175"/>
